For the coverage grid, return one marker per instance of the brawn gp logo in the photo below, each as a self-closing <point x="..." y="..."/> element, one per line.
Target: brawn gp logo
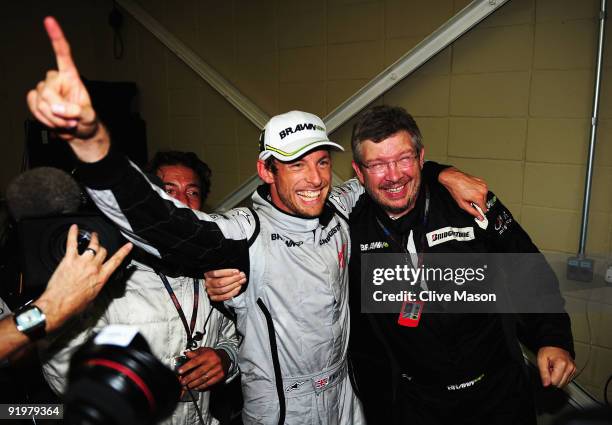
<point x="374" y="245"/>
<point x="306" y="126"/>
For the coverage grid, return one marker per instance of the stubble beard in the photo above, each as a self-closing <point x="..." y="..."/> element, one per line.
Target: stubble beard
<point x="380" y="199"/>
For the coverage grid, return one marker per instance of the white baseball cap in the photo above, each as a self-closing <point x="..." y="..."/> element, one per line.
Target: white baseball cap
<point x="291" y="135"/>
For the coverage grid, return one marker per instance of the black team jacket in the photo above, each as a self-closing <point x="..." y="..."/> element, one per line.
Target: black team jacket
<point x="444" y="348"/>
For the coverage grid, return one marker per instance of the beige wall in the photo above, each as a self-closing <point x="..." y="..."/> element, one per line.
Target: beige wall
<point x="510" y="101"/>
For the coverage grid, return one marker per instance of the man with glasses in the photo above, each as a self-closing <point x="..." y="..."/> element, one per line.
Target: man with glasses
<point x="449" y="368"/>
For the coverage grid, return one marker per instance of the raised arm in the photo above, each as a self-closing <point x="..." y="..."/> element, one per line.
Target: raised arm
<point x="61" y="102"/>
<point x="162" y="226"/>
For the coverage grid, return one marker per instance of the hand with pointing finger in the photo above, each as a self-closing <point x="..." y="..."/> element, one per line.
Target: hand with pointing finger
<point x="62" y="103"/>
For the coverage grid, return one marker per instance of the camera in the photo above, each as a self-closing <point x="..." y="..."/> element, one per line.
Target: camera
<point x="114" y="379"/>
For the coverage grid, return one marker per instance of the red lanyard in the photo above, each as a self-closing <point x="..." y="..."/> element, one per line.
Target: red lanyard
<point x="411" y="311"/>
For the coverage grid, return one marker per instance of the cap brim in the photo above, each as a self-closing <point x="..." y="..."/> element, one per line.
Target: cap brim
<point x="290" y="156"/>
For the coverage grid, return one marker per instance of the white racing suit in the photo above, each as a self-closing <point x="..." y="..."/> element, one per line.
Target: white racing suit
<point x="293" y="315"/>
<point x="145" y="304"/>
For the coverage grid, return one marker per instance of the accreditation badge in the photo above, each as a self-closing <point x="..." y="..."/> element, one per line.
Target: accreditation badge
<point x="410" y="315"/>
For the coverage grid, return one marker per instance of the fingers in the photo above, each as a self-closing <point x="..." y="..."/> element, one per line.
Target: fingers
<point x="49" y="108"/>
<point x="206" y="381"/>
<point x="470" y="207"/>
<point x="481" y="199"/>
<point x="222" y="288"/>
<point x="32" y="99"/>
<point x="227" y="296"/>
<point x="221" y="273"/>
<point x="222" y="285"/>
<point x="71" y="241"/>
<point x="49" y="91"/>
<point x="100" y="256"/>
<point x="111" y="265"/>
<point x="202" y="357"/>
<point x="94" y="244"/>
<point x="544" y="371"/>
<point x="204" y="369"/>
<point x="568" y="375"/>
<point x="60" y="45"/>
<point x="558" y="367"/>
<point x="200" y="362"/>
<point x="563" y="369"/>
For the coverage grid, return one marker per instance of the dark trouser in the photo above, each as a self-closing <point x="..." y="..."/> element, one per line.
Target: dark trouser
<point x="502" y="398"/>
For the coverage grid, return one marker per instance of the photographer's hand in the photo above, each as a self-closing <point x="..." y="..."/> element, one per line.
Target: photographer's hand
<point x="78" y="279"/>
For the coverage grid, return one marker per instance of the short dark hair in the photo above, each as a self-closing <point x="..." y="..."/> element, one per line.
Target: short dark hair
<point x="270" y="164"/>
<point x="186" y="159"/>
<point x="378" y="123"/>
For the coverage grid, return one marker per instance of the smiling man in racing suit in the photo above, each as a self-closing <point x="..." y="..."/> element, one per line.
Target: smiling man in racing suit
<point x="294" y="313"/>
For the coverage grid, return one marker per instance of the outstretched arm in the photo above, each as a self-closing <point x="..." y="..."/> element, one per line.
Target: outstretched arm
<point x="159" y="224"/>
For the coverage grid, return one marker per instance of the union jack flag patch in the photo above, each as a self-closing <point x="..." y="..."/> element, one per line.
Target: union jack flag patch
<point x="321" y="383"/>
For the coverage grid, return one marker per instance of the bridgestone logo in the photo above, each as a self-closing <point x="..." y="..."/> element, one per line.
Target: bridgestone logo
<point x="306" y="126"/>
<point x="448" y="234"/>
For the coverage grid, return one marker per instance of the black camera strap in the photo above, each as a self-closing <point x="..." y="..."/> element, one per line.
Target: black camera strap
<point x="191" y="338"/>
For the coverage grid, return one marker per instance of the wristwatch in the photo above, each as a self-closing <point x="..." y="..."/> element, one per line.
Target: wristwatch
<point x="30" y="320"/>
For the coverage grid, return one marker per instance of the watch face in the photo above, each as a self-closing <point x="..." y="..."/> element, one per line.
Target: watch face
<point x="29" y="319"/>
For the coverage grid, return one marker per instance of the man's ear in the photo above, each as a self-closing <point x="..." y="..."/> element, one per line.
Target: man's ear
<point x="422" y="157"/>
<point x="266" y="175"/>
<point x="357" y="171"/>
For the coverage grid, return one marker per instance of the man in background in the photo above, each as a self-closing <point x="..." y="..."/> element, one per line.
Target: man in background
<point x="170" y="310"/>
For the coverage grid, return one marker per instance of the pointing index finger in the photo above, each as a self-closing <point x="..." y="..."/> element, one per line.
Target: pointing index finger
<point x="60" y="45"/>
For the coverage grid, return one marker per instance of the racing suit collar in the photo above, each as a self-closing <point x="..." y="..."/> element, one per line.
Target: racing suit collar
<point x="282" y="220"/>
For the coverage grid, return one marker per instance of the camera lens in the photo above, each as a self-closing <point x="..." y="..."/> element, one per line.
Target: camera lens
<point x="114" y="384"/>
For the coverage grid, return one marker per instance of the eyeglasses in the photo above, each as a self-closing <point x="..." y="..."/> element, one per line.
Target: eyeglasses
<point x="405" y="163"/>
